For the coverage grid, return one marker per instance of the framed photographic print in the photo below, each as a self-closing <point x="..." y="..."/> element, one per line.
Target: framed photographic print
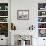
<point x="23" y="14"/>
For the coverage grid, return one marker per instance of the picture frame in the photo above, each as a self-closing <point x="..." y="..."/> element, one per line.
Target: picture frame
<point x="22" y="14"/>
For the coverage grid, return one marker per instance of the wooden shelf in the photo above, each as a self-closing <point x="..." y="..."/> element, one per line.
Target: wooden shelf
<point x="3" y="10"/>
<point x="3" y="16"/>
<point x="42" y="16"/>
<point x="41" y="22"/>
<point x="42" y="10"/>
<point x="3" y="22"/>
<point x="41" y="28"/>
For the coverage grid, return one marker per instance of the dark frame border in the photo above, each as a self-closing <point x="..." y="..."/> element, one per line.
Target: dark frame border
<point x="22" y="11"/>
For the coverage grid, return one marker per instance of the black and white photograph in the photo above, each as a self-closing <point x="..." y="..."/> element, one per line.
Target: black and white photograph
<point x="22" y="14"/>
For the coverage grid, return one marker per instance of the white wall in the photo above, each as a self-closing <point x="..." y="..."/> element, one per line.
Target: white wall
<point x="32" y="6"/>
<point x="24" y="5"/>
